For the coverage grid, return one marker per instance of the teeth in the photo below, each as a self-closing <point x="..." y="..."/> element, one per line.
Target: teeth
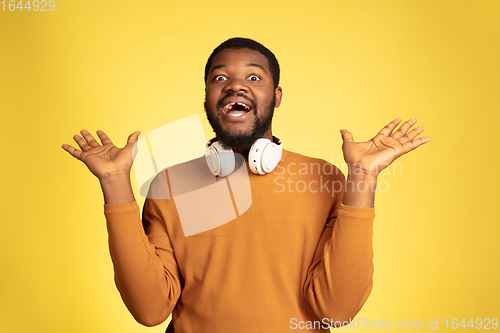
<point x="230" y="105"/>
<point x="236" y="115"/>
<point x="245" y="106"/>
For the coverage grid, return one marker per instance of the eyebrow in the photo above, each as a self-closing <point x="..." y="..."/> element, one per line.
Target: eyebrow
<point x="248" y="65"/>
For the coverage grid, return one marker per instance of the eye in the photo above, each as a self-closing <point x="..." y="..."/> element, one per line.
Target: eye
<point x="220" y="78"/>
<point x="254" y="77"/>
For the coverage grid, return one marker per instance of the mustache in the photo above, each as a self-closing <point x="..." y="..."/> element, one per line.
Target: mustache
<point x="220" y="103"/>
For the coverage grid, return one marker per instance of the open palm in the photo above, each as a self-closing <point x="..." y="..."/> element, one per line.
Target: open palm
<point x="371" y="157"/>
<point x="103" y="159"/>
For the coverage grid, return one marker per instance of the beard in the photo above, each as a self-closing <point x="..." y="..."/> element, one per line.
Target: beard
<point x="241" y="139"/>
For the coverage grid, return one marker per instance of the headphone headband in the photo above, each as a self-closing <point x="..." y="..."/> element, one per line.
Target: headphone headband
<point x="263" y="157"/>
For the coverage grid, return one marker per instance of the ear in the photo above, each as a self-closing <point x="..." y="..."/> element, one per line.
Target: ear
<point x="278" y="93"/>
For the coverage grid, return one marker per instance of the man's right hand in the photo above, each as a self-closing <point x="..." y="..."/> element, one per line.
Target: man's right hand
<point x="103" y="160"/>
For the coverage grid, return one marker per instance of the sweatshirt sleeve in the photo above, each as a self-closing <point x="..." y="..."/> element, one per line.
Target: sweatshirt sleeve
<point x="146" y="273"/>
<point x="340" y="278"/>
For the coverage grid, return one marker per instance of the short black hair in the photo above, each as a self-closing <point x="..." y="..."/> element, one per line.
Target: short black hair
<point x="238" y="43"/>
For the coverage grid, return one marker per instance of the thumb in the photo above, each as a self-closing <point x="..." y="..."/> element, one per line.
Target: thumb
<point x="346" y="135"/>
<point x="132" y="141"/>
<point x="133" y="138"/>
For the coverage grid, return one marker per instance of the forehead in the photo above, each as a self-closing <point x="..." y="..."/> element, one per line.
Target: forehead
<point x="239" y="57"/>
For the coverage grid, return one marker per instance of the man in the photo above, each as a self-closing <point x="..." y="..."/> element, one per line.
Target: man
<point x="300" y="257"/>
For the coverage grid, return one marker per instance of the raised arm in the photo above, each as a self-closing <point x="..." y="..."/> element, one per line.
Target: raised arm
<point x="340" y="278"/>
<point x="146" y="273"/>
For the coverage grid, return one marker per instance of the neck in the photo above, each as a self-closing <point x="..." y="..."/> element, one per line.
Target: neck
<point x="244" y="151"/>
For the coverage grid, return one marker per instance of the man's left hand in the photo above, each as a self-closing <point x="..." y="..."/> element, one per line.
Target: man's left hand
<point x="369" y="158"/>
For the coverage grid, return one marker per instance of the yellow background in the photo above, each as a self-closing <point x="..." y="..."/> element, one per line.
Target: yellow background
<point x="123" y="66"/>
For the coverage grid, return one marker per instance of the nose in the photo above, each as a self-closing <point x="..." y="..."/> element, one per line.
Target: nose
<point x="235" y="85"/>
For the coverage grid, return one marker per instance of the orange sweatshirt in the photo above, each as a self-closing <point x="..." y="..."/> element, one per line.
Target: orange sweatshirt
<point x="293" y="257"/>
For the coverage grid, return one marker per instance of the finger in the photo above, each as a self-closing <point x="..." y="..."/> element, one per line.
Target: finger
<point x="387" y="130"/>
<point x="409" y="146"/>
<point x="90" y="139"/>
<point x="403" y="129"/>
<point x="104" y="138"/>
<point x="81" y="143"/>
<point x="73" y="151"/>
<point x="346" y="135"/>
<point x="410" y="136"/>
<point x="132" y="138"/>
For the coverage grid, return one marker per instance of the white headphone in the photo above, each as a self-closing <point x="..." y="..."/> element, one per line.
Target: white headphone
<point x="263" y="157"/>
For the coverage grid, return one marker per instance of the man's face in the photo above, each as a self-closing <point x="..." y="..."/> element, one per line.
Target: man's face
<point x="240" y="97"/>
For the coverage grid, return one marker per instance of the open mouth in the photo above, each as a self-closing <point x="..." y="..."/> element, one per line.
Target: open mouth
<point x="236" y="109"/>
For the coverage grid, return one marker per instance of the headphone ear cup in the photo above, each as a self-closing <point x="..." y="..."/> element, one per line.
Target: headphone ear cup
<point x="271" y="157"/>
<point x="264" y="155"/>
<point x="255" y="156"/>
<point x="213" y="160"/>
<point x="220" y="161"/>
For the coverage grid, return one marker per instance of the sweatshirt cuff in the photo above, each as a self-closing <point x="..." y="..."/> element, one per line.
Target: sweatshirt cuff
<point x="357" y="212"/>
<point x="121" y="208"/>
